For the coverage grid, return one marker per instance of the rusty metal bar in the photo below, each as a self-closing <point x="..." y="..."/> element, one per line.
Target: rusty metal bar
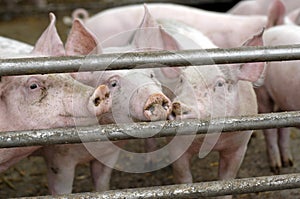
<point x="43" y="65"/>
<point x="142" y="130"/>
<point x="196" y="190"/>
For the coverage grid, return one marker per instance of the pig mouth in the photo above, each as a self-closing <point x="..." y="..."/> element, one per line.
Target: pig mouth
<point x="157" y="108"/>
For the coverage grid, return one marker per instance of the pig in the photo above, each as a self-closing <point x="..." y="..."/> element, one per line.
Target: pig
<point x="276" y="96"/>
<point x="277" y="140"/>
<point x="214" y="91"/>
<point x="136" y="96"/>
<point x="46" y="101"/>
<point x="260" y="7"/>
<point x="198" y="91"/>
<point x="224" y="30"/>
<point x="10" y="48"/>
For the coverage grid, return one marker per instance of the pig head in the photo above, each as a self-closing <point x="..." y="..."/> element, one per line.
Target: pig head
<point x="46" y="101"/>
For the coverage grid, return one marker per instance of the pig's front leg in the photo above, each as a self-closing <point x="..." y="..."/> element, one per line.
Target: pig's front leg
<point x="181" y="168"/>
<point x="60" y="179"/>
<point x="60" y="169"/>
<point x="284" y="146"/>
<point x="271" y="138"/>
<point x="101" y="175"/>
<point x="105" y="157"/>
<point x="231" y="158"/>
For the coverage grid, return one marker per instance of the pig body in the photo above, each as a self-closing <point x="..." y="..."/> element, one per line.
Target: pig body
<point x="260" y="7"/>
<point x="44" y="101"/>
<point x="224" y="30"/>
<point x="11" y="48"/>
<point x="275" y="95"/>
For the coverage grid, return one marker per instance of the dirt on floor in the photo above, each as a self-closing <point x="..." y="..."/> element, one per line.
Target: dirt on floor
<point x="28" y="177"/>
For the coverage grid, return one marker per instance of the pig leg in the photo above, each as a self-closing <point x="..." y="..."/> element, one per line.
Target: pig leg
<point x="271" y="138"/>
<point x="181" y="168"/>
<point x="150" y="145"/>
<point x="266" y="105"/>
<point x="230" y="161"/>
<point x="60" y="171"/>
<point x="101" y="175"/>
<point x="229" y="164"/>
<point x="60" y="179"/>
<point x="284" y="146"/>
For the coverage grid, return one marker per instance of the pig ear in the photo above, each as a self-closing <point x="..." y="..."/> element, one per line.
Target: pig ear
<point x="81" y="41"/>
<point x="252" y="71"/>
<point x="276" y="14"/>
<point x="49" y="42"/>
<point x="151" y="36"/>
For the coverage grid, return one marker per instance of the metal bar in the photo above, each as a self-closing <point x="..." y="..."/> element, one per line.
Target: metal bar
<point x="162" y="129"/>
<point x="196" y="190"/>
<point x="43" y="65"/>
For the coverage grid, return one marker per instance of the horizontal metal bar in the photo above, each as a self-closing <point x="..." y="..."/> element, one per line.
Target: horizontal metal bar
<point x="137" y="130"/>
<point x="43" y="65"/>
<point x="196" y="190"/>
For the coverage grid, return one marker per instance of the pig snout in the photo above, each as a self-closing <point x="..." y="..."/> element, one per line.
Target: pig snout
<point x="157" y="107"/>
<point x="181" y="111"/>
<point x="100" y="102"/>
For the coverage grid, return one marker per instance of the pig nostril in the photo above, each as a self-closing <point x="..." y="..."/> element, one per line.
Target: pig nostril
<point x="185" y="112"/>
<point x="165" y="105"/>
<point x="97" y="101"/>
<point x="107" y="95"/>
<point x="173" y="114"/>
<point x="151" y="108"/>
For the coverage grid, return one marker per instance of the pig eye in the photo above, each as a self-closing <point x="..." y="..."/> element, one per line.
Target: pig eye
<point x="33" y="86"/>
<point x="220" y="83"/>
<point x="151" y="75"/>
<point x="113" y="83"/>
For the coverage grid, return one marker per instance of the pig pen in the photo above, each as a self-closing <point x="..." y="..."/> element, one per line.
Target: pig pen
<point x="28" y="177"/>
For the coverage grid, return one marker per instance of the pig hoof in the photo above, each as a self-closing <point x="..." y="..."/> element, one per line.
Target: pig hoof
<point x="275" y="170"/>
<point x="288" y="163"/>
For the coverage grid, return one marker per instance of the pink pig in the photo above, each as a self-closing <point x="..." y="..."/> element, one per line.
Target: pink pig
<point x="214" y="91"/>
<point x="10" y="48"/>
<point x="46" y="101"/>
<point x="275" y="95"/>
<point x="204" y="92"/>
<point x="136" y="96"/>
<point x="224" y="30"/>
<point x="260" y="7"/>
